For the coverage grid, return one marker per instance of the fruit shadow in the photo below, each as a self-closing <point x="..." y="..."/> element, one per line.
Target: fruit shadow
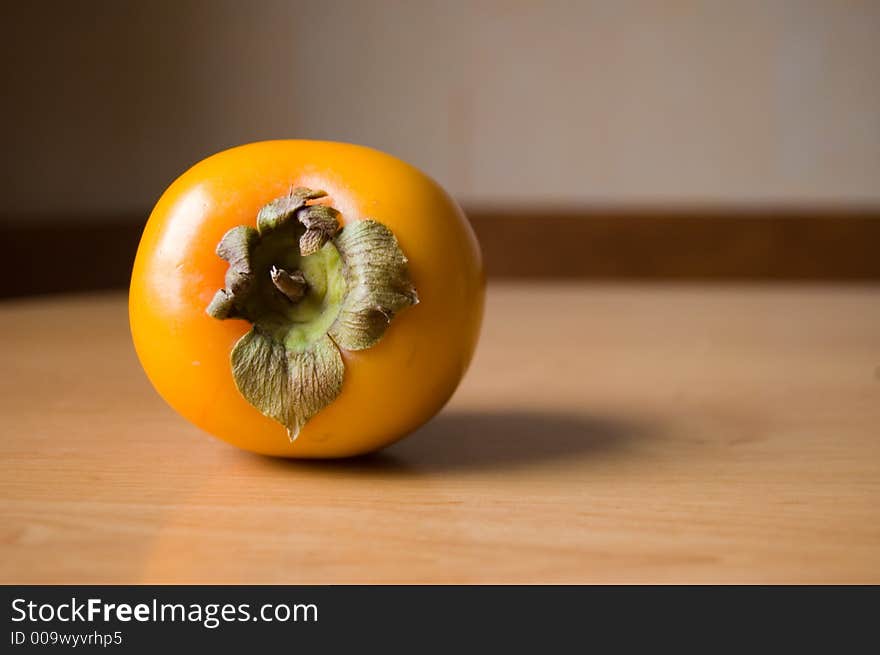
<point x="458" y="440"/>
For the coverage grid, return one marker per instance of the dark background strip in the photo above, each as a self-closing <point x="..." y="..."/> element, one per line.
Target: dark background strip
<point x="49" y="255"/>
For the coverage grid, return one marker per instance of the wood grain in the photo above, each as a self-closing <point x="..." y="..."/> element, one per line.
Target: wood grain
<point x="635" y="433"/>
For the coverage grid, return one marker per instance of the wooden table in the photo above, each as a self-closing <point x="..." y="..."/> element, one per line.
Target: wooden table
<point x="632" y="434"/>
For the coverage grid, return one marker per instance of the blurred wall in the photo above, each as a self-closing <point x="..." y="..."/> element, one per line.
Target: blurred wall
<point x="507" y="102"/>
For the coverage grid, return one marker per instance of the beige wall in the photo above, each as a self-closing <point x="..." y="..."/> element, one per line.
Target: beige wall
<point x="502" y="101"/>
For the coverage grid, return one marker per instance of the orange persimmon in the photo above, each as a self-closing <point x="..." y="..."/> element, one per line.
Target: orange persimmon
<point x="336" y="323"/>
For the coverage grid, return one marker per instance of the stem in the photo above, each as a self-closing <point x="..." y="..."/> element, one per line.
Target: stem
<point x="292" y="285"/>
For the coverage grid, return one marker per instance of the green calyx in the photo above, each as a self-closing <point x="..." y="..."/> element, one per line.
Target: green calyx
<point x="309" y="288"/>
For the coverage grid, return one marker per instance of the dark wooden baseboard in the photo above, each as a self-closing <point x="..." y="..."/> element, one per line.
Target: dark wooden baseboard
<point x="52" y="256"/>
<point x="686" y="245"/>
<point x="693" y="244"/>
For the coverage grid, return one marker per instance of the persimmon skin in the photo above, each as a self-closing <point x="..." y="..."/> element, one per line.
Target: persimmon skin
<point x="390" y="389"/>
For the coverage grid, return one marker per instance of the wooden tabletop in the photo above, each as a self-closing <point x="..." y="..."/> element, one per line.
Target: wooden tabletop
<point x="603" y="434"/>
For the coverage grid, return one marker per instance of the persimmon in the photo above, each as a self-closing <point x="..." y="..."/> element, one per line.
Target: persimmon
<point x="306" y="298"/>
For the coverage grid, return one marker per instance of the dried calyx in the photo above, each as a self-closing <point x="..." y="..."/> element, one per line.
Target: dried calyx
<point x="309" y="288"/>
